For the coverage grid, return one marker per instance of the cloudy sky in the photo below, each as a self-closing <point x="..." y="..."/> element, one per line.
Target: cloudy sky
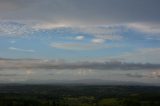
<point x="49" y="40"/>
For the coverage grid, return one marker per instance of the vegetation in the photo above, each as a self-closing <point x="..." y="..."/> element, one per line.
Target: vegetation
<point x="78" y="95"/>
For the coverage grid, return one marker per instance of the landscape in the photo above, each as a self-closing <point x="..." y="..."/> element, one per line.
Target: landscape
<point x="78" y="95"/>
<point x="79" y="53"/>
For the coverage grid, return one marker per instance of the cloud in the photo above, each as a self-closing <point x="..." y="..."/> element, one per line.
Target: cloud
<point x="79" y="37"/>
<point x="21" y="29"/>
<point x="148" y="28"/>
<point x="29" y="72"/>
<point x="94" y="45"/>
<point x="48" y="26"/>
<point x="106" y="32"/>
<point x="75" y="46"/>
<point x="155" y="74"/>
<point x="12" y="41"/>
<point x="152" y="74"/>
<point x="79" y="12"/>
<point x="30" y="64"/>
<point x="143" y="55"/>
<point x="11" y="28"/>
<point x="137" y="14"/>
<point x="8" y="75"/>
<point x="98" y="41"/>
<point x="21" y="50"/>
<point x="135" y="75"/>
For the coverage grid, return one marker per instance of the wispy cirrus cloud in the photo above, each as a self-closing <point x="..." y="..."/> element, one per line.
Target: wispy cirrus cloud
<point x="95" y="44"/>
<point x="48" y="26"/>
<point x="12" y="41"/>
<point x="21" y="50"/>
<point x="75" y="46"/>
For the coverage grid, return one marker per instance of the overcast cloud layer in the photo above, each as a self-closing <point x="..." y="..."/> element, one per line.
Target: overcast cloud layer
<point x="81" y="11"/>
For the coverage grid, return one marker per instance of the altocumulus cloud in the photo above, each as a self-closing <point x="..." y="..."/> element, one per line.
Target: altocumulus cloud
<point x="139" y="15"/>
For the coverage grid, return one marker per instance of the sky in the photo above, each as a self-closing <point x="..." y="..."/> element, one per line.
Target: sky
<point x="71" y="40"/>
